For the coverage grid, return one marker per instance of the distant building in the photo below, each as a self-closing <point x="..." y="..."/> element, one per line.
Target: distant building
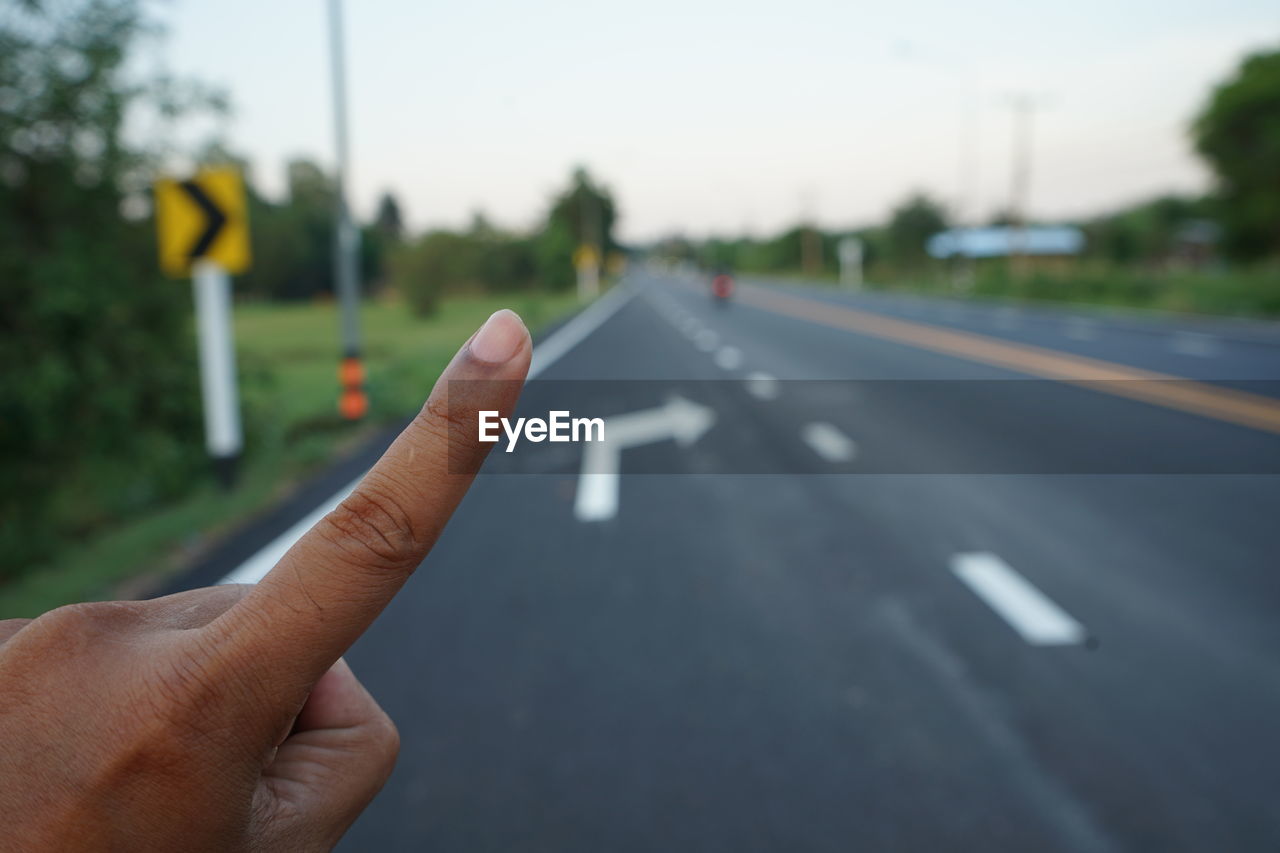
<point x="1039" y="246"/>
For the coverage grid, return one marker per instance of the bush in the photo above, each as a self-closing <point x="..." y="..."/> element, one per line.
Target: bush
<point x="100" y="415"/>
<point x="1245" y="291"/>
<point x="445" y="262"/>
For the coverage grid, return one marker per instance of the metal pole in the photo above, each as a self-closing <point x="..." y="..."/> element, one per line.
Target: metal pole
<point x="223" y="436"/>
<point x="1020" y="188"/>
<point x="346" y="242"/>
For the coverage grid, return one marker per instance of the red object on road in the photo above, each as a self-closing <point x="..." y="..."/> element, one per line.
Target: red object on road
<point x="722" y="286"/>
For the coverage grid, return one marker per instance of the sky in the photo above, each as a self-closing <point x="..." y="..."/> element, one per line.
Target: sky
<point x="710" y="117"/>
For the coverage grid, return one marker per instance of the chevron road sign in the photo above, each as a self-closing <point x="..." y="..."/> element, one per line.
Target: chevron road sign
<point x="202" y="218"/>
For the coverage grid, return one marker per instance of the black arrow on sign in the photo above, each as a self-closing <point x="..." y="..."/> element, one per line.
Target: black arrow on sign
<point x="214" y="219"/>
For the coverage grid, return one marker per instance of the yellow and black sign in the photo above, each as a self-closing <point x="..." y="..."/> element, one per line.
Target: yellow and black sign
<point x="586" y="257"/>
<point x="202" y="218"/>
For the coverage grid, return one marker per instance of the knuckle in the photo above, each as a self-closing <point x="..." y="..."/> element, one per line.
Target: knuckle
<point x="83" y="620"/>
<point x="373" y="526"/>
<point x="444" y="420"/>
<point x="456" y="429"/>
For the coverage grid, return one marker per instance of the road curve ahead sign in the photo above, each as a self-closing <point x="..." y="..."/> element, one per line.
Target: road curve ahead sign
<point x="204" y="217"/>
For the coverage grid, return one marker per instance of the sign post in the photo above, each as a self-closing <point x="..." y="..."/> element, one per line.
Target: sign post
<point x="203" y="233"/>
<point x="587" y="261"/>
<point x="222" y="433"/>
<point x="850" y="251"/>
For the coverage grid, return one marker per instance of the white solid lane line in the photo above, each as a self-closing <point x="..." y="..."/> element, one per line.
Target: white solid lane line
<point x="729" y="358"/>
<point x="1027" y="610"/>
<point x="546" y="353"/>
<point x="576" y="330"/>
<point x="762" y="386"/>
<point x="829" y="442"/>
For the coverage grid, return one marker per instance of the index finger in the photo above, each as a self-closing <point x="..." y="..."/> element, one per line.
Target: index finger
<point x="338" y="577"/>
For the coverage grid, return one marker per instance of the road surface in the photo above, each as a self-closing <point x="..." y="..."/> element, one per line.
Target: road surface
<point x="1032" y="641"/>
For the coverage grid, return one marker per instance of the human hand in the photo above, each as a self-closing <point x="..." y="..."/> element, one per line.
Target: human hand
<point x="224" y="718"/>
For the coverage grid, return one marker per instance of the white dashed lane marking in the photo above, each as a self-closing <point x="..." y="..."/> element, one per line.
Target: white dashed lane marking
<point x="829" y="442"/>
<point x="729" y="358"/>
<point x="1027" y="610"/>
<point x="762" y="386"/>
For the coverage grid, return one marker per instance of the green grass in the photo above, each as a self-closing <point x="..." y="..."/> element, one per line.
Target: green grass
<point x="1242" y="292"/>
<point x="1245" y="292"/>
<point x="288" y="359"/>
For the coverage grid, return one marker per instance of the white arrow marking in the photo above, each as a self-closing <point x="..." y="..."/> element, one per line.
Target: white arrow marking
<point x="680" y="420"/>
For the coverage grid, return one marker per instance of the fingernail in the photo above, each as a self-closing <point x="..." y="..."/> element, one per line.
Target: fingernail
<point x="499" y="338"/>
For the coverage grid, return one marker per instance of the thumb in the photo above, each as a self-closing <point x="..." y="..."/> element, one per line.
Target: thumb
<point x="338" y="756"/>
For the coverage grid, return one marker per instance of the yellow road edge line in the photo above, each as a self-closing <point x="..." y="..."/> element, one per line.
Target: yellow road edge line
<point x="1173" y="392"/>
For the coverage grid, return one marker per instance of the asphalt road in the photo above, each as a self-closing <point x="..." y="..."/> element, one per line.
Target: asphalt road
<point x="895" y="613"/>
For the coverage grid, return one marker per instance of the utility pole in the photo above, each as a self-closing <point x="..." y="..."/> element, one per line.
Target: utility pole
<point x="1023" y="106"/>
<point x="353" y="403"/>
<point x="968" y="183"/>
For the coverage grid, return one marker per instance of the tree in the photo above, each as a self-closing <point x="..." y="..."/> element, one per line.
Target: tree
<point x="584" y="214"/>
<point x="100" y="415"/>
<point x="912" y="224"/>
<point x="389" y="220"/>
<point x="1146" y="233"/>
<point x="1238" y="133"/>
<point x="483" y="259"/>
<point x="293" y="239"/>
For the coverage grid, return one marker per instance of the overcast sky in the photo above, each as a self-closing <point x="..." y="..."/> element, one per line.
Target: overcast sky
<point x="709" y="116"/>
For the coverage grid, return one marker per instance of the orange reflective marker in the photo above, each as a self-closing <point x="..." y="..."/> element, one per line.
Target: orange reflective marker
<point x="353" y="403"/>
<point x="351" y="373"/>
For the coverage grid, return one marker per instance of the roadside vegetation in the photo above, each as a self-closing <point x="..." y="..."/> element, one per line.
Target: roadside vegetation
<point x="104" y="471"/>
<point x="286" y="355"/>
<point x="1247" y="291"/>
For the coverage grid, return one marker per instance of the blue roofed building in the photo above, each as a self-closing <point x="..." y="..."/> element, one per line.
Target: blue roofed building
<point x="1036" y="245"/>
